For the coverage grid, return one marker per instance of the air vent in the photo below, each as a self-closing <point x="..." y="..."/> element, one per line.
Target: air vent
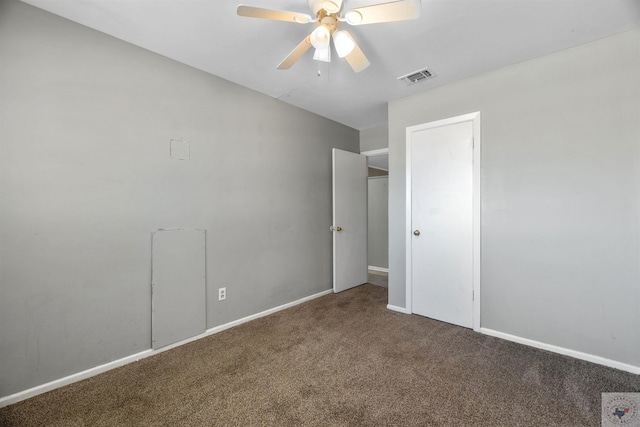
<point x="417" y="76"/>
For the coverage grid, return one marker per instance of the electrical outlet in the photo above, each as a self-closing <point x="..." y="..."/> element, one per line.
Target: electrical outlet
<point x="222" y="294"/>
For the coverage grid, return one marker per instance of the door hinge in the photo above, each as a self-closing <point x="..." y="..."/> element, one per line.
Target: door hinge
<point x="473" y="295"/>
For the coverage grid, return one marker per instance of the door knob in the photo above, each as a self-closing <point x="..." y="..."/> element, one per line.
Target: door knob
<point x="336" y="228"/>
<point x="416" y="232"/>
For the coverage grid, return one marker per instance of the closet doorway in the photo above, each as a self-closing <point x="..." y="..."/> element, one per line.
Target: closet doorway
<point x="378" y="216"/>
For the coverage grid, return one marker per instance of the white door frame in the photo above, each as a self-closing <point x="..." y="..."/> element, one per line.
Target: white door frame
<point x="373" y="153"/>
<point x="475" y="119"/>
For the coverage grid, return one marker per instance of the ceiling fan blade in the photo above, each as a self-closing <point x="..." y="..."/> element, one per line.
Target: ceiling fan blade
<point x="384" y="12"/>
<point x="357" y="60"/>
<point x="295" y="54"/>
<point x="278" y="15"/>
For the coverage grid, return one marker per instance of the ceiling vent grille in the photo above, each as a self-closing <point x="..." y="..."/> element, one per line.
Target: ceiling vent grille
<point x="417" y="76"/>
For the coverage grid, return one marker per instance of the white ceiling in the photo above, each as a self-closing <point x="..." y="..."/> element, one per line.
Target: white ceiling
<point x="454" y="38"/>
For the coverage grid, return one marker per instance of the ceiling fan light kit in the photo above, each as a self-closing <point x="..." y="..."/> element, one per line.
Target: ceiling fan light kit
<point x="323" y="54"/>
<point x="320" y="37"/>
<point x="328" y="13"/>
<point x="343" y="42"/>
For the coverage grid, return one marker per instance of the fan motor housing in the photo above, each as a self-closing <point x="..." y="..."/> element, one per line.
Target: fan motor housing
<point x="330" y="6"/>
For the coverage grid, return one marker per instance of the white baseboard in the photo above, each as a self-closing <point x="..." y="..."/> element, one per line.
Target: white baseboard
<point x="79" y="376"/>
<point x="221" y="328"/>
<point x="52" y="385"/>
<point x="382" y="269"/>
<point x="565" y="351"/>
<point x="398" y="309"/>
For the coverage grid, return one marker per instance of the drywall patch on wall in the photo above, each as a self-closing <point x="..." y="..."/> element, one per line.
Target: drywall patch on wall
<point x="178" y="282"/>
<point x="179" y="149"/>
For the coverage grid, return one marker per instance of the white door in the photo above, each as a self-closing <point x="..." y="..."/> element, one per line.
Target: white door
<point x="442" y="223"/>
<point x="349" y="220"/>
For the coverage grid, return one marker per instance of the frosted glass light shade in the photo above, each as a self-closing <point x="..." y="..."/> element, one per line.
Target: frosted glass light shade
<point x="323" y="54"/>
<point x="320" y="37"/>
<point x="343" y="42"/>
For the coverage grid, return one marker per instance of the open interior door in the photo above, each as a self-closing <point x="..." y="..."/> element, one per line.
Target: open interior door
<point x="349" y="220"/>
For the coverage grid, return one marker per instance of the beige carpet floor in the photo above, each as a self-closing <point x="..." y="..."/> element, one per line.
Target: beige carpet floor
<point x="339" y="360"/>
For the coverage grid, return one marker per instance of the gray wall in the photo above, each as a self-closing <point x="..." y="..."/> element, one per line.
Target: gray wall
<point x="86" y="177"/>
<point x="374" y="138"/>
<point x="378" y="222"/>
<point x="560" y="194"/>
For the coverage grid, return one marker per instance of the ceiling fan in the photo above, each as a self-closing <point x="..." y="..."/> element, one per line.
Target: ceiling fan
<point x="328" y="15"/>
